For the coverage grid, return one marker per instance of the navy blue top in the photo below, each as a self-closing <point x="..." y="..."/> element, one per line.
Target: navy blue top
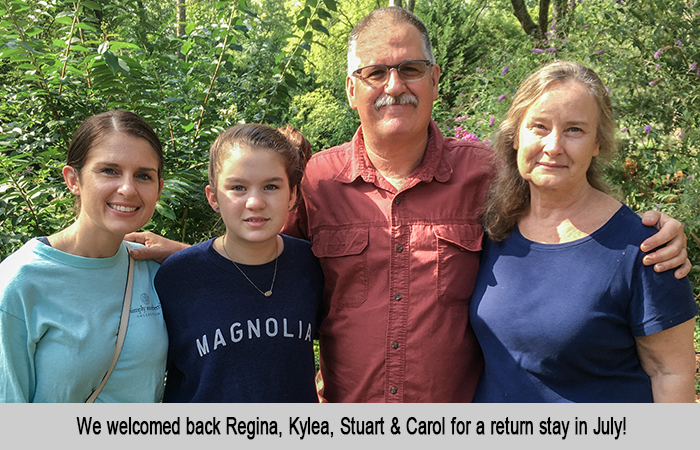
<point x="228" y="342"/>
<point x="557" y="322"/>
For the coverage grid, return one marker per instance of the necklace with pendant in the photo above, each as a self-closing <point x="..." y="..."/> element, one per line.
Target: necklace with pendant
<point x="274" y="275"/>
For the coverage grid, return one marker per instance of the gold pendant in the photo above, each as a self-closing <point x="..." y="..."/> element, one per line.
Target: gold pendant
<point x="267" y="294"/>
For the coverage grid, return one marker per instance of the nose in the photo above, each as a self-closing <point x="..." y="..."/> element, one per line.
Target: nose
<point x="127" y="188"/>
<point x="553" y="144"/>
<point x="394" y="84"/>
<point x="255" y="202"/>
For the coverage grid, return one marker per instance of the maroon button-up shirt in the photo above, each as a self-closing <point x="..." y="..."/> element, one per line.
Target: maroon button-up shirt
<point x="399" y="271"/>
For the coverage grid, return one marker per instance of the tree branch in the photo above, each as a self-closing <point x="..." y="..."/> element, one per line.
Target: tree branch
<point x="523" y="16"/>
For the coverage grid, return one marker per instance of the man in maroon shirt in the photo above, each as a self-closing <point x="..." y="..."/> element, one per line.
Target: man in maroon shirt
<point x="394" y="218"/>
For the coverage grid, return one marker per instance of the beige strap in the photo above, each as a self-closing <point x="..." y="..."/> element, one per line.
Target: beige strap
<point x="123" y="324"/>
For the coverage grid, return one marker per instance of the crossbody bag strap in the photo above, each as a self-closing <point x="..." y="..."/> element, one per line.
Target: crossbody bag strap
<point x="123" y="324"/>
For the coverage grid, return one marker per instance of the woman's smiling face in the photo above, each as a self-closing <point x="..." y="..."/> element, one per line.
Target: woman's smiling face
<point x="557" y="138"/>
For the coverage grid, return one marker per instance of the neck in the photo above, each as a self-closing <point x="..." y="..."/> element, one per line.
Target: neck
<point x="78" y="241"/>
<point x="554" y="219"/>
<point x="396" y="160"/>
<point x="250" y="254"/>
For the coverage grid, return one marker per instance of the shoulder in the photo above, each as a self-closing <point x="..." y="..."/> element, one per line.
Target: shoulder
<point x="464" y="152"/>
<point x="190" y="257"/>
<point x="329" y="162"/>
<point x="296" y="246"/>
<point x="626" y="226"/>
<point x="21" y="263"/>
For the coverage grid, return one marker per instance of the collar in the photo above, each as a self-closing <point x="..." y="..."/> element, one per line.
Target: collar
<point x="434" y="164"/>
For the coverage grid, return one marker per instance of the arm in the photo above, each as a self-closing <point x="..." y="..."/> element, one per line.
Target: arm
<point x="156" y="247"/>
<point x="674" y="255"/>
<point x="668" y="357"/>
<point x="16" y="361"/>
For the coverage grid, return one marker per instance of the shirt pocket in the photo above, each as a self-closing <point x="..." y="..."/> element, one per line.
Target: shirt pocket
<point x="458" y="255"/>
<point x="345" y="268"/>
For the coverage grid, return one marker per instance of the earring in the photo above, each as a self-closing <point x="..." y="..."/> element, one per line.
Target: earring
<point x="217" y="209"/>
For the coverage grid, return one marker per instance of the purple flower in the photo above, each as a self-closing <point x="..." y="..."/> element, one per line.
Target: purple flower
<point x="461" y="118"/>
<point x="681" y="136"/>
<point x="584" y="27"/>
<point x="504" y="71"/>
<point x="647" y="128"/>
<point x="503" y="96"/>
<point x="657" y="67"/>
<point x="658" y="53"/>
<point x="479" y="70"/>
<point x="624" y="130"/>
<point x="678" y="43"/>
<point x="458" y="131"/>
<point x="697" y="74"/>
<point x="552" y="50"/>
<point x="491" y="121"/>
<point x="693" y="66"/>
<point x="600" y="52"/>
<point x="607" y="90"/>
<point x="548" y="34"/>
<point x="651" y="83"/>
<point x="536" y="50"/>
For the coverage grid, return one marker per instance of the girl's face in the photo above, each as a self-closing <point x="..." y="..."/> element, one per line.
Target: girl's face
<point x="252" y="194"/>
<point x="118" y="186"/>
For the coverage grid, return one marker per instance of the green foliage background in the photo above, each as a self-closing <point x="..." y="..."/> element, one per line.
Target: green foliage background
<point x="284" y="61"/>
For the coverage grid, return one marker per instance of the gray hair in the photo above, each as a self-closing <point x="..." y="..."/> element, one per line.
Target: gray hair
<point x="384" y="16"/>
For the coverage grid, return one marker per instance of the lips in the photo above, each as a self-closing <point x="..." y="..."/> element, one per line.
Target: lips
<point x="122" y="208"/>
<point x="256" y="221"/>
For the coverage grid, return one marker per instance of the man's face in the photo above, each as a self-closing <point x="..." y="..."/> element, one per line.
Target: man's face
<point x="392" y="44"/>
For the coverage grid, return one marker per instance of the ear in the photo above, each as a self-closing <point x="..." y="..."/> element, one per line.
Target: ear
<point x="350" y="91"/>
<point x="211" y="198"/>
<point x="160" y="189"/>
<point x="435" y="77"/>
<point x="292" y="198"/>
<point x="71" y="178"/>
<point x="597" y="149"/>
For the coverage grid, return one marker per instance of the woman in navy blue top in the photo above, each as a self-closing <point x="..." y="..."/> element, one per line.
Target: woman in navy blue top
<point x="563" y="308"/>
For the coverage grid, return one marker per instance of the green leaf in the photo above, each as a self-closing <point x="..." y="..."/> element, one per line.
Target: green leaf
<point x="104" y="46"/>
<point x="331" y="4"/>
<point x="316" y="25"/>
<point x="189" y="28"/>
<point x="165" y="211"/>
<point x="65" y="20"/>
<point x="92" y="5"/>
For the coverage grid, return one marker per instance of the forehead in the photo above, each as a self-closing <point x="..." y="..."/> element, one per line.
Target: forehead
<point x="568" y="97"/>
<point x="389" y="44"/>
<point x="120" y="145"/>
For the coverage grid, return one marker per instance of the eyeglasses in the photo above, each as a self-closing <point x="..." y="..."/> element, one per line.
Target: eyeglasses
<point x="412" y="70"/>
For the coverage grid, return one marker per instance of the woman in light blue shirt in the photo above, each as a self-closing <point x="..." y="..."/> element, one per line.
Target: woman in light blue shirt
<point x="61" y="296"/>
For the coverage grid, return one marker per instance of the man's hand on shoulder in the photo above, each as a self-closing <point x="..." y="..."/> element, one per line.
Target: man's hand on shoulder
<point x="156" y="247"/>
<point x="674" y="255"/>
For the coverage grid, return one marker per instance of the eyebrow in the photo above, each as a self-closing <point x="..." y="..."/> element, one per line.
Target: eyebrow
<point x="239" y="180"/>
<point x="140" y="169"/>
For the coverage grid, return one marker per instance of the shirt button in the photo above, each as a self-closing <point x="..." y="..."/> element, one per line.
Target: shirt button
<point x="399" y="248"/>
<point x="394" y="345"/>
<point x="398" y="296"/>
<point x="397" y="201"/>
<point x="393" y="390"/>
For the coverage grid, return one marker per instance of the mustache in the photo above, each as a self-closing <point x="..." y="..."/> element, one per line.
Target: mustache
<point x="402" y="99"/>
